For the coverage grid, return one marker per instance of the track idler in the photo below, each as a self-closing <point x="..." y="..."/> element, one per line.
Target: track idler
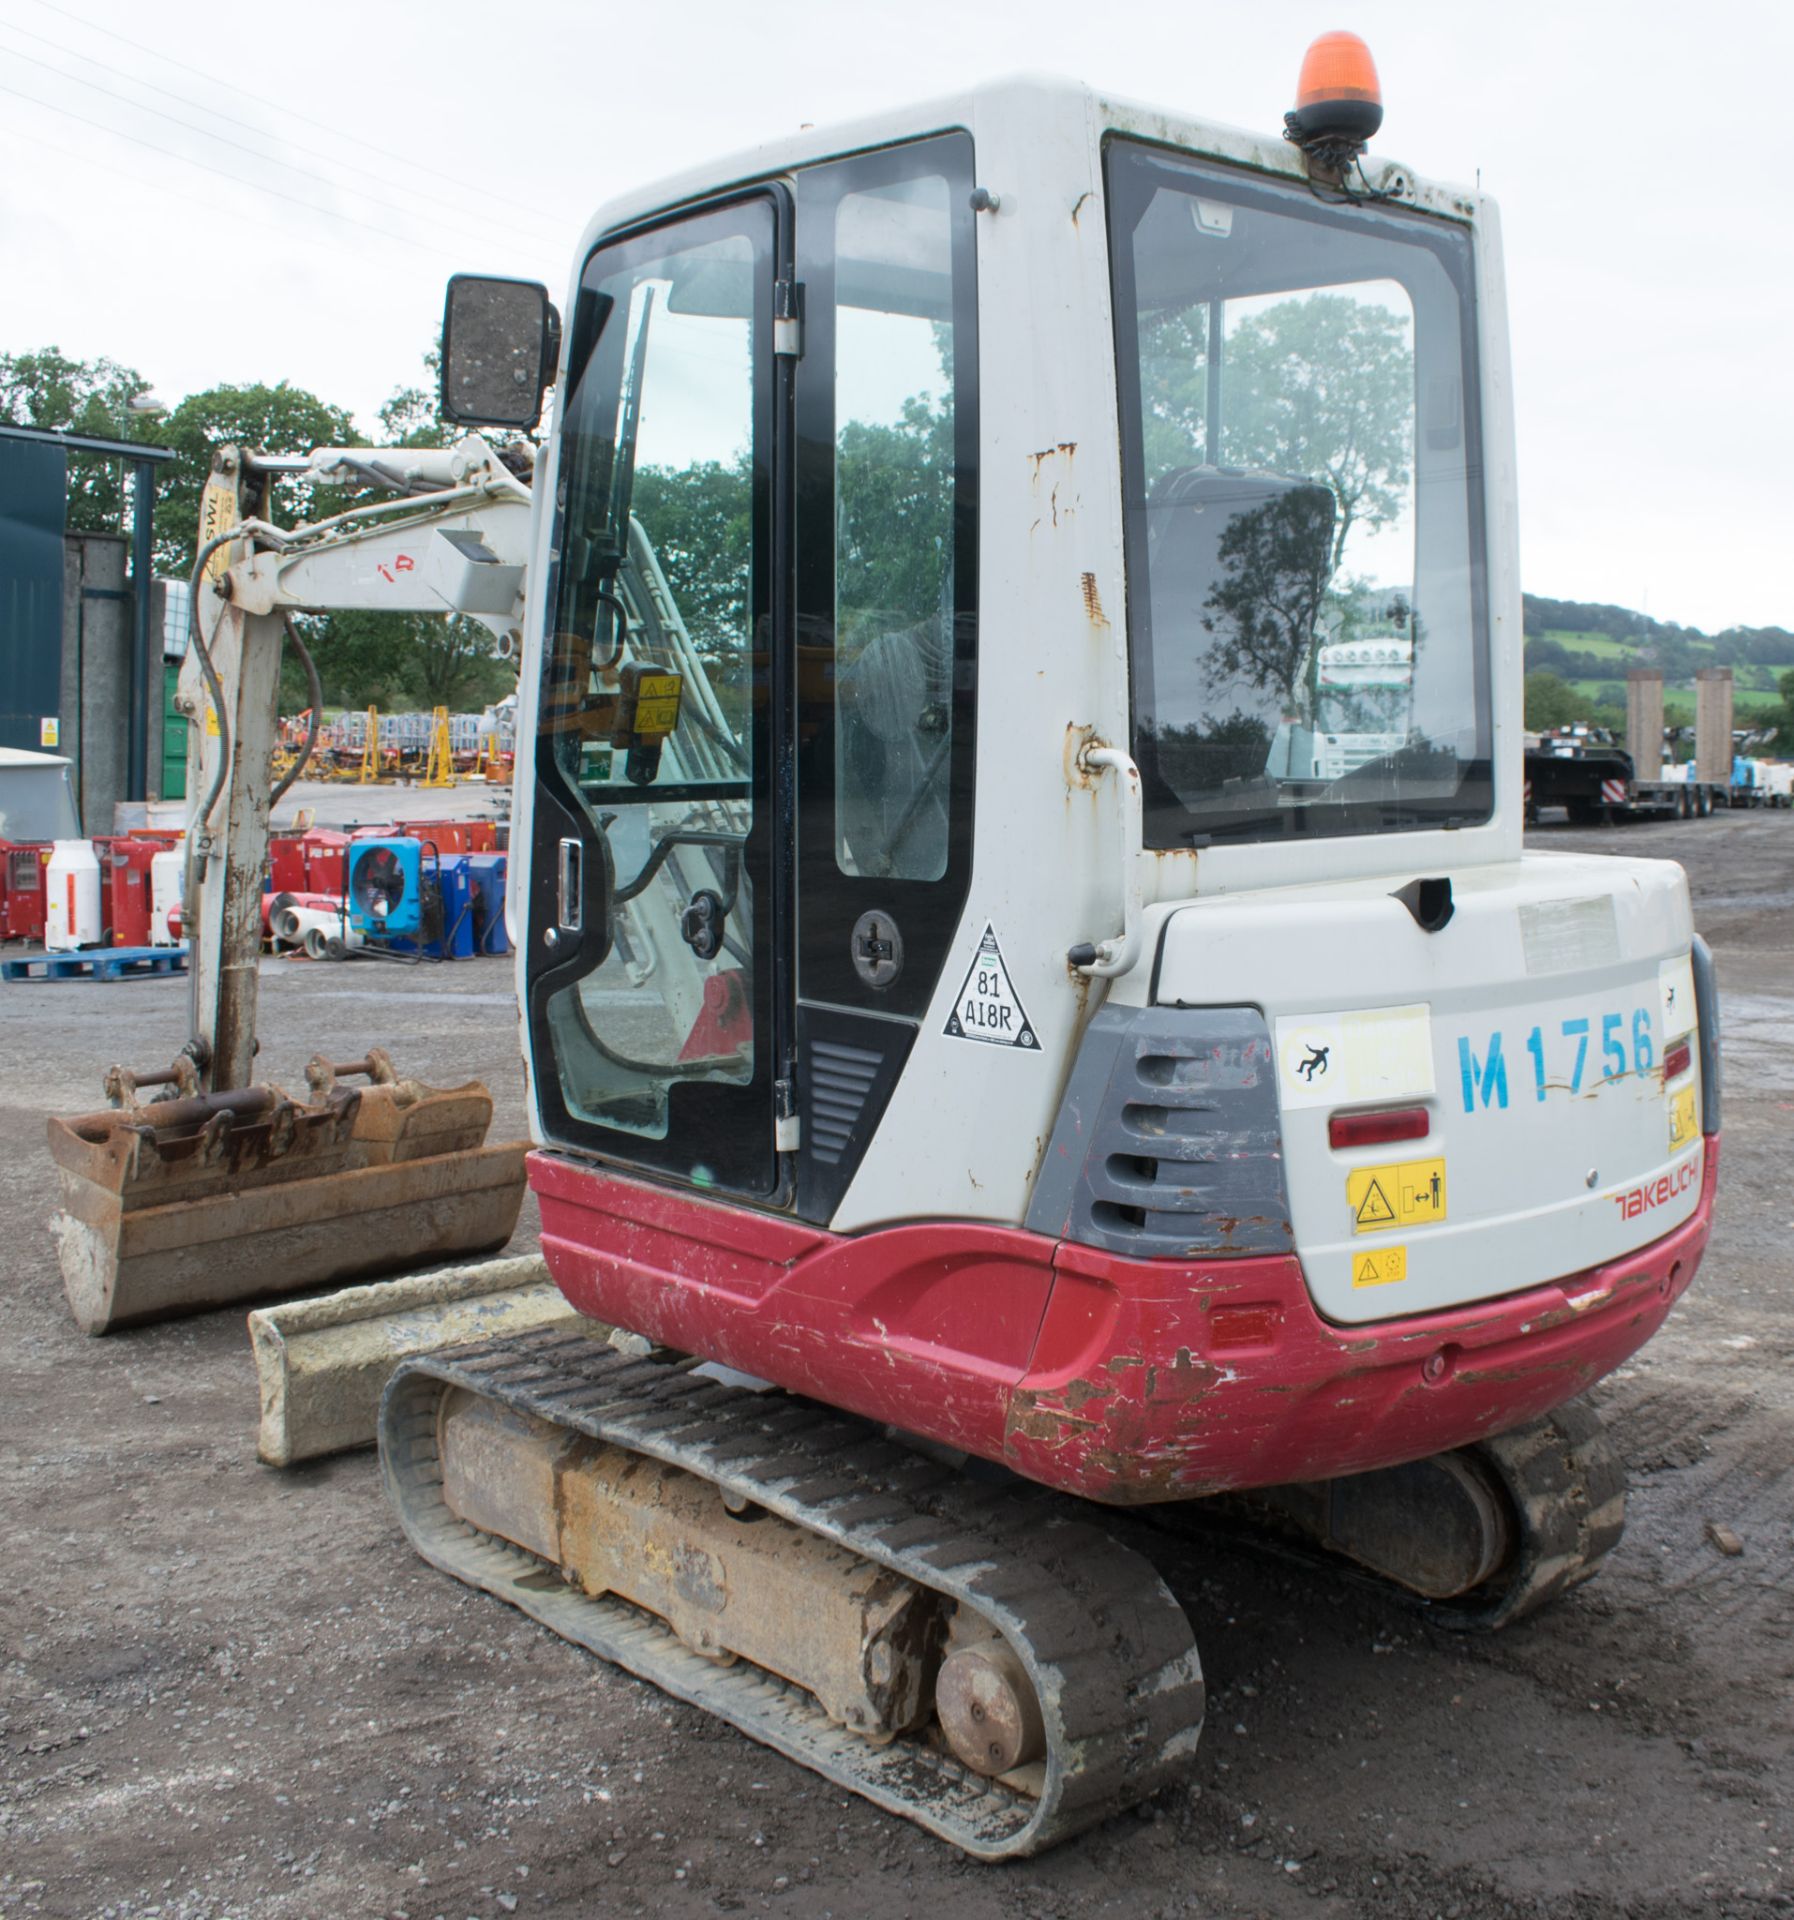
<point x="980" y="1659"/>
<point x="1484" y="1534"/>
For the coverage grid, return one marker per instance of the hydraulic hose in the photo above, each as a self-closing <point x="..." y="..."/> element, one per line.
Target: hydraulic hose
<point x="213" y="685"/>
<point x="315" y="687"/>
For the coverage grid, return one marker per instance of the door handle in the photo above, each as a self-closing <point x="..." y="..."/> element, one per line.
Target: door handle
<point x="571" y="905"/>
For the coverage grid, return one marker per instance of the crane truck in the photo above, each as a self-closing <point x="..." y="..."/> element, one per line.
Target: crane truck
<point x="1032" y="996"/>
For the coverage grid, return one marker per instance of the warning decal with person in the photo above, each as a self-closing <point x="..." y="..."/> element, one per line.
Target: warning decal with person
<point x="988" y="1007"/>
<point x="1408" y="1194"/>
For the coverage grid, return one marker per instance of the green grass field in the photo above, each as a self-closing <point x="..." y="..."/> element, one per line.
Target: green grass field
<point x="1602" y="646"/>
<point x="1746" y="701"/>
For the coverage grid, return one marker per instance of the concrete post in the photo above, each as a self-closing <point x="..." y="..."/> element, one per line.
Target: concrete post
<point x="1644" y="721"/>
<point x="1713" y="725"/>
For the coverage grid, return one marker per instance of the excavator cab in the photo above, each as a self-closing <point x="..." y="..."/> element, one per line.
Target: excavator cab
<point x="1027" y="953"/>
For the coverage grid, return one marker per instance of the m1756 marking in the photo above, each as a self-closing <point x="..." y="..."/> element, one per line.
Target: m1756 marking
<point x="1628" y="1044"/>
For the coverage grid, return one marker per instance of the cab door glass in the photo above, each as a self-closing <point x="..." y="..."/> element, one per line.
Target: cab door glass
<point x="895" y="478"/>
<point x="649" y="701"/>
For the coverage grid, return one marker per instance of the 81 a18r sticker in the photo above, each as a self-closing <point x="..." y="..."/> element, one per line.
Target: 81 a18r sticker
<point x="988" y="1008"/>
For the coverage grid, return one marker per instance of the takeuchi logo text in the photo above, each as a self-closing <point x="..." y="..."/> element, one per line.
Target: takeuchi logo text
<point x="1655" y="1193"/>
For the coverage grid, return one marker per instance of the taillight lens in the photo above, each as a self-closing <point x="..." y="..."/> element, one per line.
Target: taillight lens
<point x="1374" y="1128"/>
<point x="1677" y="1061"/>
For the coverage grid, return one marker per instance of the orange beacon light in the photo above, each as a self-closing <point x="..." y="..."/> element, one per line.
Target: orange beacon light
<point x="1339" y="103"/>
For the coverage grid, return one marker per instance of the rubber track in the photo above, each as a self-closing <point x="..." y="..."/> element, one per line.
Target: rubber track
<point x="1568" y="1488"/>
<point x="1563" y="1480"/>
<point x="1108" y="1648"/>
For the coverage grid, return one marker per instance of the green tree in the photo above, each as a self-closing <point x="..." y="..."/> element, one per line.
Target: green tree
<point x="1781" y="717"/>
<point x="261" y="419"/>
<point x="1319" y="386"/>
<point x="699" y="521"/>
<point x="47" y="389"/>
<point x="1275" y="562"/>
<point x="1552" y="702"/>
<point x="894" y="487"/>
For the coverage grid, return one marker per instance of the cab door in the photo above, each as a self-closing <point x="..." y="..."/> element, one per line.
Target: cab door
<point x="658" y="969"/>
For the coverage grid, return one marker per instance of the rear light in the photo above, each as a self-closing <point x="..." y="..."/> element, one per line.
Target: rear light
<point x="1373" y="1129"/>
<point x="1677" y="1061"/>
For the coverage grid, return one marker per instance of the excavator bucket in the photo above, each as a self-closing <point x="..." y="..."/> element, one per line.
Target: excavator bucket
<point x="181" y="1205"/>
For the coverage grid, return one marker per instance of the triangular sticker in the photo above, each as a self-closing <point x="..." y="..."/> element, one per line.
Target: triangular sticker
<point x="988" y="1008"/>
<point x="1374" y="1209"/>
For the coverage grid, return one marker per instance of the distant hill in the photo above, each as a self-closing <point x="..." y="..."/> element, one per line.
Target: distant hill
<point x="1591" y="645"/>
<point x="1650" y="639"/>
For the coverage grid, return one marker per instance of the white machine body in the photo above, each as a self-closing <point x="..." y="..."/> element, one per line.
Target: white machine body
<point x="1531" y="1027"/>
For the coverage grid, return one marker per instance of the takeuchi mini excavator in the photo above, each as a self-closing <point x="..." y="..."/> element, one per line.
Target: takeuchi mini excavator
<point x="1033" y="998"/>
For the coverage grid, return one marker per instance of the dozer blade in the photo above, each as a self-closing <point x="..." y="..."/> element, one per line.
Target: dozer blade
<point x="323" y="1362"/>
<point x="978" y="1658"/>
<point x="184" y="1205"/>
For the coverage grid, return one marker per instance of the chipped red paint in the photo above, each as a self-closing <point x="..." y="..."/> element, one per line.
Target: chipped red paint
<point x="1124" y="1380"/>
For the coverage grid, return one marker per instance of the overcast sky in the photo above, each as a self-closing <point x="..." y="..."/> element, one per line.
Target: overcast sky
<point x="1639" y="153"/>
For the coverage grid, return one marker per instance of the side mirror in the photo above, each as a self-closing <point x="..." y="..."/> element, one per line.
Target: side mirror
<point x="500" y="342"/>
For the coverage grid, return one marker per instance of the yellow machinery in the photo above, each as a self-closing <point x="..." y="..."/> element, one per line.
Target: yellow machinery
<point x="441" y="769"/>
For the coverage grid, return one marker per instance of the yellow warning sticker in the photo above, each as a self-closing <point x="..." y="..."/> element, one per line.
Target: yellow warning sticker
<point x="657" y="703"/>
<point x="1409" y="1194"/>
<point x="1684" y="1123"/>
<point x="1381" y="1268"/>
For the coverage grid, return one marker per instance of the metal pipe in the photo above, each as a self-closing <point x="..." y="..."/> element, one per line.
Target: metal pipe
<point x="143" y="506"/>
<point x="1119" y="955"/>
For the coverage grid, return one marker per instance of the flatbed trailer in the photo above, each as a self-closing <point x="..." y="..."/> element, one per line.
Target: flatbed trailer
<point x="1597" y="786"/>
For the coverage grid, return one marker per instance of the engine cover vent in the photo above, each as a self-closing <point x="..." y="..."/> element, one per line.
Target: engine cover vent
<point x="1169" y="1142"/>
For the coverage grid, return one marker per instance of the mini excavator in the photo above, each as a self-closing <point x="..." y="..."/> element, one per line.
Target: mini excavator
<point x="1033" y="998"/>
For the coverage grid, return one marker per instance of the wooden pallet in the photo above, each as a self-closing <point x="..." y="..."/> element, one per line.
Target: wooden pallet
<point x="98" y="963"/>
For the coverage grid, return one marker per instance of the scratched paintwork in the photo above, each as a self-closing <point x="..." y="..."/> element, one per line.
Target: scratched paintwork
<point x="1125" y="1380"/>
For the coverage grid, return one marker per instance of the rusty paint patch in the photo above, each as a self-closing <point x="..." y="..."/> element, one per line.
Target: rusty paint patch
<point x="1093" y="602"/>
<point x="1080" y="1393"/>
<point x="1079" y="742"/>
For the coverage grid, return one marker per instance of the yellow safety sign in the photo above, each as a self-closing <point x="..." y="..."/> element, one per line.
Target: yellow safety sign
<point x="1380" y="1269"/>
<point x="1684" y="1122"/>
<point x="656" y="703"/>
<point x="1409" y="1194"/>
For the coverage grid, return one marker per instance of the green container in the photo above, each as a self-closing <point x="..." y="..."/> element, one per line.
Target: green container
<point x="174" y="736"/>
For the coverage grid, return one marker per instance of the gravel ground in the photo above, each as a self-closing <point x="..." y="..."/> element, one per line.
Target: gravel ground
<point x="227" y="1691"/>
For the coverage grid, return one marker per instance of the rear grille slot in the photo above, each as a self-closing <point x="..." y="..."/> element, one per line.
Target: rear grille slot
<point x="1170" y="1141"/>
<point x="840" y="1079"/>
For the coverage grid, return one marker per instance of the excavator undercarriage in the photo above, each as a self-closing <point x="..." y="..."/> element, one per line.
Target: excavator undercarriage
<point x="972" y="1651"/>
<point x="979" y="1657"/>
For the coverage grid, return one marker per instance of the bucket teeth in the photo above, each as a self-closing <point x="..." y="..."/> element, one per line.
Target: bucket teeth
<point x="200" y="1201"/>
